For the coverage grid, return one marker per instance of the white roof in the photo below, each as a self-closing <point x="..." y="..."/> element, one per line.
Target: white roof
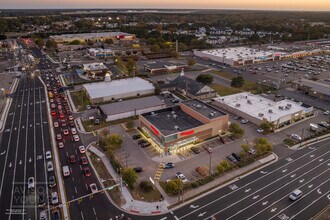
<point x="259" y="107"/>
<point x="94" y="66"/>
<point x="91" y="35"/>
<point x="238" y="53"/>
<point x="100" y="50"/>
<point x="117" y="87"/>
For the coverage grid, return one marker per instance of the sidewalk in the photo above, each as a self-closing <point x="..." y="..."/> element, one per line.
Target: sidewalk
<point x="140" y="207"/>
<point x="131" y="205"/>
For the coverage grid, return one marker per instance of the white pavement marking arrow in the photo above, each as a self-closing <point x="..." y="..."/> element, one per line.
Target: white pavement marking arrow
<point x="30" y="125"/>
<point x="312" y="148"/>
<point x="10" y="164"/>
<point x="321" y="159"/>
<point x="247" y="190"/>
<point x="310" y="186"/>
<point x="7" y="130"/>
<point x="15" y="128"/>
<point x="45" y="122"/>
<point x="23" y="127"/>
<point x="319" y="191"/>
<point x="312" y="155"/>
<point x="293" y="175"/>
<point x="273" y="210"/>
<point x="302" y="180"/>
<point x="30" y="160"/>
<point x="19" y="106"/>
<point x="201" y="214"/>
<point x="39" y="157"/>
<point x="2" y="153"/>
<point x="194" y="206"/>
<point x="20" y="162"/>
<point x="283" y="171"/>
<point x="328" y="196"/>
<point x="37" y="123"/>
<point x="11" y="113"/>
<point x="265" y="203"/>
<point x="256" y="196"/>
<point x="328" y="164"/>
<point x="263" y="172"/>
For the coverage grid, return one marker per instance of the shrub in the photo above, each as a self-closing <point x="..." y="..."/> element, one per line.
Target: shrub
<point x="146" y="186"/>
<point x="203" y="171"/>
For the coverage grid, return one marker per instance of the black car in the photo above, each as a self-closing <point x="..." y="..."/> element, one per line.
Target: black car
<point x="42" y="201"/>
<point x="138" y="169"/>
<point x="136" y="136"/>
<point x="52" y="181"/>
<point x="196" y="150"/>
<point x="231" y="158"/>
<point x="142" y="141"/>
<point x="236" y="156"/>
<point x="146" y="144"/>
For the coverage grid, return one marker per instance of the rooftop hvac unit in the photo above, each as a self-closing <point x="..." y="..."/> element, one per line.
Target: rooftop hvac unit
<point x="211" y="114"/>
<point x="175" y="116"/>
<point x="281" y="107"/>
<point x="172" y="112"/>
<point x="168" y="116"/>
<point x="289" y="105"/>
<point x="261" y="114"/>
<point x="238" y="105"/>
<point x="270" y="111"/>
<point x="249" y="101"/>
<point x="176" y="127"/>
<point x="204" y="106"/>
<point x="198" y="106"/>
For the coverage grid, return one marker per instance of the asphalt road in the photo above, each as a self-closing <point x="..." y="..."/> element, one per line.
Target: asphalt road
<point x="265" y="194"/>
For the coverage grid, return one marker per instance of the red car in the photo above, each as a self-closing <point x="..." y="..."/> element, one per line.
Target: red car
<point x="53" y="113"/>
<point x="84" y="160"/>
<point x="61" y="115"/>
<point x="72" y="159"/>
<point x="87" y="171"/>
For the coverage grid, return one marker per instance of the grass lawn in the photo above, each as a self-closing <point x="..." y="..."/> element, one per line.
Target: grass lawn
<point x="152" y="196"/>
<point x="90" y="126"/>
<point x="224" y="90"/>
<point x="78" y="101"/>
<point x="224" y="74"/>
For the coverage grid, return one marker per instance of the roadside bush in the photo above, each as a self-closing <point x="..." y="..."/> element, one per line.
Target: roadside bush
<point x="194" y="185"/>
<point x="173" y="187"/>
<point x="203" y="171"/>
<point x="146" y="186"/>
<point x="130" y="177"/>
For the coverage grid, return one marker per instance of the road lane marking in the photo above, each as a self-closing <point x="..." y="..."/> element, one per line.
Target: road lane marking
<point x="94" y="211"/>
<point x="201" y="214"/>
<point x="2" y="153"/>
<point x="301" y="181"/>
<point x="247" y="190"/>
<point x="194" y="206"/>
<point x="224" y="196"/>
<point x="75" y="189"/>
<point x="319" y="191"/>
<point x="310" y="186"/>
<point x="82" y="216"/>
<point x="265" y="203"/>
<point x="255" y="197"/>
<point x="273" y="209"/>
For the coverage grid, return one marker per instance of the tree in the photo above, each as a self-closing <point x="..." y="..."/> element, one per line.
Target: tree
<point x="131" y="66"/>
<point x="51" y="44"/>
<point x="129" y="177"/>
<point x="204" y="78"/>
<point x="146" y="186"/>
<point x="130" y="124"/>
<point x="245" y="148"/>
<point x="114" y="140"/>
<point x="173" y="186"/>
<point x="191" y="62"/>
<point x="119" y="62"/>
<point x="237" y="82"/>
<point x="262" y="146"/>
<point x="267" y="126"/>
<point x="155" y="48"/>
<point x="108" y="41"/>
<point x="75" y="42"/>
<point x="236" y="130"/>
<point x="40" y="42"/>
<point x="223" y="166"/>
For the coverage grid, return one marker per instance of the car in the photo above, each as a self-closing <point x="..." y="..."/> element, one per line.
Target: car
<point x="168" y="165"/>
<point x="59" y="137"/>
<point x="222" y="139"/>
<point x="208" y="149"/>
<point x="53" y="113"/>
<point x="51" y="100"/>
<point x="146" y="144"/>
<point x="244" y="121"/>
<point x="324" y="124"/>
<point x="52" y="105"/>
<point x="237" y="117"/>
<point x="93" y="187"/>
<point x="59" y="107"/>
<point x="142" y="141"/>
<point x="41" y="200"/>
<point x="84" y="160"/>
<point x="236" y="156"/>
<point x="63" y="123"/>
<point x="56" y="124"/>
<point x="296" y="137"/>
<point x="72" y="159"/>
<point x="326" y="112"/>
<point x="70" y="117"/>
<point x="48" y="154"/>
<point x="87" y="171"/>
<point x="82" y="149"/>
<point x="196" y="150"/>
<point x="73" y="130"/>
<point x="231" y="158"/>
<point x="88" y="107"/>
<point x="76" y="138"/>
<point x="30" y="183"/>
<point x="60" y="144"/>
<point x="136" y="136"/>
<point x="65" y="131"/>
<point x="50" y="166"/>
<point x="54" y="198"/>
<point x="61" y="115"/>
<point x="52" y="181"/>
<point x="182" y="177"/>
<point x="138" y="169"/>
<point x="71" y="123"/>
<point x="296" y="194"/>
<point x="260" y="130"/>
<point x="252" y="152"/>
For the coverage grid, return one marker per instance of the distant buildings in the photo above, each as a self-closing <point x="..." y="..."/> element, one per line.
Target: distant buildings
<point x="163" y="67"/>
<point x="95" y="70"/>
<point x="100" y="53"/>
<point x="318" y="89"/>
<point x="85" y="37"/>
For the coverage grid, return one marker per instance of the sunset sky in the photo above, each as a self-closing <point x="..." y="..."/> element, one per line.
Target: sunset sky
<point x="323" y="5"/>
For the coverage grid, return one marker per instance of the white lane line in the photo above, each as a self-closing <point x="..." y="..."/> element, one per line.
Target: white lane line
<point x="75" y="189"/>
<point x="80" y="167"/>
<point x="279" y="168"/>
<point x="15" y="163"/>
<point x="94" y="211"/>
<point x="82" y="216"/>
<point x="86" y="186"/>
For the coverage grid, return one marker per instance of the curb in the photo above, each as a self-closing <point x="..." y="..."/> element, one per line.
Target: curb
<point x="5" y="114"/>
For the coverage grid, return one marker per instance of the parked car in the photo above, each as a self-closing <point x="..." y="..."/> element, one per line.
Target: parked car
<point x="50" y="166"/>
<point x="182" y="177"/>
<point x="236" y="156"/>
<point x="138" y="169"/>
<point x="136" y="136"/>
<point x="146" y="144"/>
<point x="87" y="171"/>
<point x="54" y="198"/>
<point x="324" y="124"/>
<point x="30" y="183"/>
<point x="196" y="150"/>
<point x="93" y="187"/>
<point x="222" y="139"/>
<point x="296" y="137"/>
<point x="142" y="141"/>
<point x="168" y="165"/>
<point x="252" y="152"/>
<point x="244" y="121"/>
<point x="208" y="149"/>
<point x="231" y="158"/>
<point x="237" y="117"/>
<point x="260" y="130"/>
<point x="326" y="112"/>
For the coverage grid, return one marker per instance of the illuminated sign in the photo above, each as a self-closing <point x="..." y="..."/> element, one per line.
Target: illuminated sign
<point x="154" y="130"/>
<point x="185" y="133"/>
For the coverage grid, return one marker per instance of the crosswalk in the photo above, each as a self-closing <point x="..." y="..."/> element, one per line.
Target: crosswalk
<point x="159" y="171"/>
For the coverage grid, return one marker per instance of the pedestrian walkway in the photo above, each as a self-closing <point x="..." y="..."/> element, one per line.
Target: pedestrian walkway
<point x="159" y="171"/>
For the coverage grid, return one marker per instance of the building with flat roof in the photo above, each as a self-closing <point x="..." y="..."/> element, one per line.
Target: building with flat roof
<point x="183" y="125"/>
<point x="257" y="109"/>
<point x="164" y="66"/>
<point x="130" y="108"/>
<point x="85" y="37"/>
<point x="99" y="92"/>
<point x="237" y="56"/>
<point x="95" y="70"/>
<point x="319" y="89"/>
<point x="100" y="53"/>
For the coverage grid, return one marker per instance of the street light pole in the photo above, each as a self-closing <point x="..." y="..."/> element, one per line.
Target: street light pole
<point x="210" y="163"/>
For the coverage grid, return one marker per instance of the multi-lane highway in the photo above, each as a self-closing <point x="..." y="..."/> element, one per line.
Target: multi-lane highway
<point x="265" y="193"/>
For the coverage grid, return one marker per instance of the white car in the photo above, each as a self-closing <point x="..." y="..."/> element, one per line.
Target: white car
<point x="73" y="131"/>
<point x="244" y="121"/>
<point x="82" y="149"/>
<point x="295" y="136"/>
<point x="56" y="124"/>
<point x="54" y="198"/>
<point x="252" y="151"/>
<point x="326" y="112"/>
<point x="50" y="166"/>
<point x="31" y="183"/>
<point x="260" y="130"/>
<point x="93" y="187"/>
<point x="60" y="144"/>
<point x="296" y="194"/>
<point x="48" y="155"/>
<point x="182" y="177"/>
<point x="76" y="138"/>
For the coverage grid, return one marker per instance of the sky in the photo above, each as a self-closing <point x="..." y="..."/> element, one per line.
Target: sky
<point x="307" y="5"/>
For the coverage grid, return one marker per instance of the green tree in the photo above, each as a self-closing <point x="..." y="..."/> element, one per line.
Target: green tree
<point x="109" y="41"/>
<point x="225" y="165"/>
<point x="262" y="146"/>
<point x="173" y="186"/>
<point x="245" y="148"/>
<point x="131" y="66"/>
<point x="267" y="126"/>
<point x="75" y="42"/>
<point x="129" y="124"/>
<point x="205" y="78"/>
<point x="191" y="62"/>
<point x="114" y="141"/>
<point x="236" y="130"/>
<point x="40" y="42"/>
<point x="155" y="48"/>
<point x="237" y="82"/>
<point x="146" y="186"/>
<point x="129" y="177"/>
<point x="51" y="44"/>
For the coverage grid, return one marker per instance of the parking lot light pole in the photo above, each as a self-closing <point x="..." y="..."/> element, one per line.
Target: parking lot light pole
<point x="210" y="163"/>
